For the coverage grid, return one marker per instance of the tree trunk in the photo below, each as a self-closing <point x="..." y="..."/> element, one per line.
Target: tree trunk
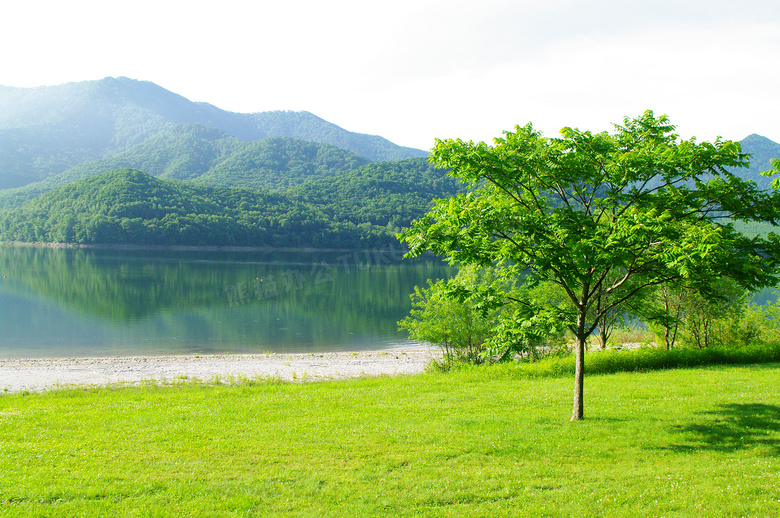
<point x="602" y="324"/>
<point x="579" y="370"/>
<point x="674" y="336"/>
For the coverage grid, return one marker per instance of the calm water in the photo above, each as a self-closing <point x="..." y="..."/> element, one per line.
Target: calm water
<point x="109" y="302"/>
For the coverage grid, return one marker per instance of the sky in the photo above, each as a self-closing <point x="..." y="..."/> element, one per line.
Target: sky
<point x="416" y="70"/>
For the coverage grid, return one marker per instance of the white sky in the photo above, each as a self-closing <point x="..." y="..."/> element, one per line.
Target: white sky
<point x="414" y="70"/>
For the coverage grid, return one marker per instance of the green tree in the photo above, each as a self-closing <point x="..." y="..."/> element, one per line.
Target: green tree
<point x="694" y="314"/>
<point x="663" y="309"/>
<point x="458" y="327"/>
<point x="601" y="213"/>
<point x="704" y="313"/>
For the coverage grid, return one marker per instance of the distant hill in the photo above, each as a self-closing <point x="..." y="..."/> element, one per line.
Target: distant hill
<point x="360" y="209"/>
<point x="762" y="151"/>
<point x="278" y="163"/>
<point x="380" y="193"/>
<point x="47" y="130"/>
<point x="210" y="156"/>
<point x="131" y="207"/>
<point x="183" y="152"/>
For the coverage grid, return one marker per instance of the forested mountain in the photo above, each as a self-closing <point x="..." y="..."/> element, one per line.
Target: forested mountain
<point x="278" y="163"/>
<point x="762" y="151"/>
<point x="313" y="183"/>
<point x="380" y="193"/>
<point x="47" y="130"/>
<point x="182" y="152"/>
<point x="359" y="209"/>
<point x="210" y="156"/>
<point x="131" y="207"/>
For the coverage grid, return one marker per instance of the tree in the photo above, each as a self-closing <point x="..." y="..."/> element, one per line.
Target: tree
<point x="694" y="313"/>
<point x="663" y="310"/>
<point x="456" y="326"/>
<point x="602" y="215"/>
<point x="704" y="312"/>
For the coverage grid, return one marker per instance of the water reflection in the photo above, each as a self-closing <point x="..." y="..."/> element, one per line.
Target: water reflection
<point x="94" y="302"/>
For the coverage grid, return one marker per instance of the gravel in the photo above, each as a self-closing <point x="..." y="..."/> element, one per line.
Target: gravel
<point x="36" y="375"/>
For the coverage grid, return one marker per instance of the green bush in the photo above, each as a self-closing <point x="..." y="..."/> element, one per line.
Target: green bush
<point x="472" y="318"/>
<point x="456" y="326"/>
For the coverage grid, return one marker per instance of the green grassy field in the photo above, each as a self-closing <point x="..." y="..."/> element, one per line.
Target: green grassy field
<point x="473" y="442"/>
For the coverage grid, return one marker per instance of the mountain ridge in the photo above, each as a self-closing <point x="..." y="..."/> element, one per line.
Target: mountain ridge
<point x="122" y="123"/>
<point x="762" y="151"/>
<point x="46" y="130"/>
<point x="204" y="154"/>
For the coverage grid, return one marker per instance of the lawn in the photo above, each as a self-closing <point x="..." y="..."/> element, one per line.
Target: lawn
<point x="475" y="442"/>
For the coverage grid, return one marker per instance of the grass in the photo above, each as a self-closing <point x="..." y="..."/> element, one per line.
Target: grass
<point x="482" y="441"/>
<point x="652" y="358"/>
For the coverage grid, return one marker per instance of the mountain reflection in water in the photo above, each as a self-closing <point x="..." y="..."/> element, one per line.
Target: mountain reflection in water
<point x="118" y="302"/>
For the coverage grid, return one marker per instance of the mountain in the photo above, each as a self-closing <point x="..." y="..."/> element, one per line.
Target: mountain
<point x="131" y="207"/>
<point x="380" y="193"/>
<point x="210" y="156"/>
<point x="277" y="163"/>
<point x="183" y="152"/>
<point x="47" y="130"/>
<point x="360" y="209"/>
<point x="762" y="151"/>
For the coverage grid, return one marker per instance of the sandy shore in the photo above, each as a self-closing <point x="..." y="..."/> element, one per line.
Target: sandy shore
<point x="36" y="375"/>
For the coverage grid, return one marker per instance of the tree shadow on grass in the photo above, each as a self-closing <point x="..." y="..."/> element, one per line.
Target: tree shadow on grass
<point x="733" y="427"/>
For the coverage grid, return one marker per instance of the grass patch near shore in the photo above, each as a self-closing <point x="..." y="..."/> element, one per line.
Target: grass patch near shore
<point x="652" y="358"/>
<point x="477" y="442"/>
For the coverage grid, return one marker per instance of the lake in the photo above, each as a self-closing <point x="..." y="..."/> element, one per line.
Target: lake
<point x="72" y="302"/>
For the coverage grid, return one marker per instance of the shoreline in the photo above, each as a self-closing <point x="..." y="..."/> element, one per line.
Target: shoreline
<point x="176" y="248"/>
<point x="42" y="374"/>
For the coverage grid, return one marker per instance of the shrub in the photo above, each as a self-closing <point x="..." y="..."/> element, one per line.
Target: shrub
<point x="456" y="326"/>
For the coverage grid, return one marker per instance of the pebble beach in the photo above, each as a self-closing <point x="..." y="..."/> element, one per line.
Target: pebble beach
<point x="37" y="375"/>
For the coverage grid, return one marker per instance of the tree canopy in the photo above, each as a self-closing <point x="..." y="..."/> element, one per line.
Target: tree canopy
<point x="601" y="215"/>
